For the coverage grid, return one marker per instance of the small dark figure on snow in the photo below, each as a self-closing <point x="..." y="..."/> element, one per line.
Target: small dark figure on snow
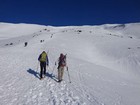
<point x="43" y="58"/>
<point x="61" y="65"/>
<point x="25" y="44"/>
<point x="11" y="43"/>
<point x="41" y="41"/>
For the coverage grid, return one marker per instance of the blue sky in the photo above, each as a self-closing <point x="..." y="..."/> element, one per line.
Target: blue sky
<point x="70" y="12"/>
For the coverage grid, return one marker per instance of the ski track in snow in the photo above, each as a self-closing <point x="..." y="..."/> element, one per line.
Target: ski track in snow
<point x="56" y="93"/>
<point x="85" y="91"/>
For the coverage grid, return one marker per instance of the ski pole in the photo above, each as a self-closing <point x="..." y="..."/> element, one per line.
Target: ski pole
<point x="53" y="68"/>
<point x="37" y="65"/>
<point x="68" y="75"/>
<point x="52" y="71"/>
<point x="48" y="68"/>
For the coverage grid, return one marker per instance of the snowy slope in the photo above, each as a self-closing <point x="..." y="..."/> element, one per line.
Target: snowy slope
<point x="103" y="63"/>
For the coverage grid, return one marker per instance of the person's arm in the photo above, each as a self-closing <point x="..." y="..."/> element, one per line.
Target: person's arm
<point x="39" y="57"/>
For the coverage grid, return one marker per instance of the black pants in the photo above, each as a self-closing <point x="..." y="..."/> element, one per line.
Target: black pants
<point x="43" y="68"/>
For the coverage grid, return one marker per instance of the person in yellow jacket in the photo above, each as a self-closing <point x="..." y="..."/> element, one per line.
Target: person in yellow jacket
<point x="43" y="58"/>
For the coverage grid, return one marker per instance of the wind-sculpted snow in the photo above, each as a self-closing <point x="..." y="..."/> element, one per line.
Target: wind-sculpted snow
<point x="129" y="30"/>
<point x="103" y="63"/>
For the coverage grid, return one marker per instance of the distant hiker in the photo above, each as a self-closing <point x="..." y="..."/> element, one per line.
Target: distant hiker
<point x="51" y="35"/>
<point x="41" y="41"/>
<point x="43" y="58"/>
<point x="11" y="43"/>
<point x="25" y="44"/>
<point x="61" y="65"/>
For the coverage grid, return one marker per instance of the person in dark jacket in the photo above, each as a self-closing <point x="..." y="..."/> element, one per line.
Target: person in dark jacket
<point x="43" y="58"/>
<point x="25" y="44"/>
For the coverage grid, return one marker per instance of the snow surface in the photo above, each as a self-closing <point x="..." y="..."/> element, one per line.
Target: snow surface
<point x="103" y="61"/>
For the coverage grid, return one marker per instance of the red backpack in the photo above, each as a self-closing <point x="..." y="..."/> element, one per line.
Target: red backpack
<point x="62" y="60"/>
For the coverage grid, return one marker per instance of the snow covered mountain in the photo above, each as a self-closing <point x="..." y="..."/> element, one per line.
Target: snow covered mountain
<point x="103" y="61"/>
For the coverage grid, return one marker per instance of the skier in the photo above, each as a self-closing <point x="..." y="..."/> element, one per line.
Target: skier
<point x="25" y="44"/>
<point x="61" y="65"/>
<point x="43" y="58"/>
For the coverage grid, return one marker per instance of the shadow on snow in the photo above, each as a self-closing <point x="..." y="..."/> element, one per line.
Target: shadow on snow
<point x="33" y="72"/>
<point x="37" y="75"/>
<point x="51" y="76"/>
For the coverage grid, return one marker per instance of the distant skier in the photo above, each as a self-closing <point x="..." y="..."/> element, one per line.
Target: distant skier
<point x="25" y="44"/>
<point x="43" y="58"/>
<point x="61" y="65"/>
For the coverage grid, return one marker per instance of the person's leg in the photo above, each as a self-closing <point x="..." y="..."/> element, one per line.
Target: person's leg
<point x="59" y="74"/>
<point x="62" y="72"/>
<point x="41" y="70"/>
<point x="44" y="66"/>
